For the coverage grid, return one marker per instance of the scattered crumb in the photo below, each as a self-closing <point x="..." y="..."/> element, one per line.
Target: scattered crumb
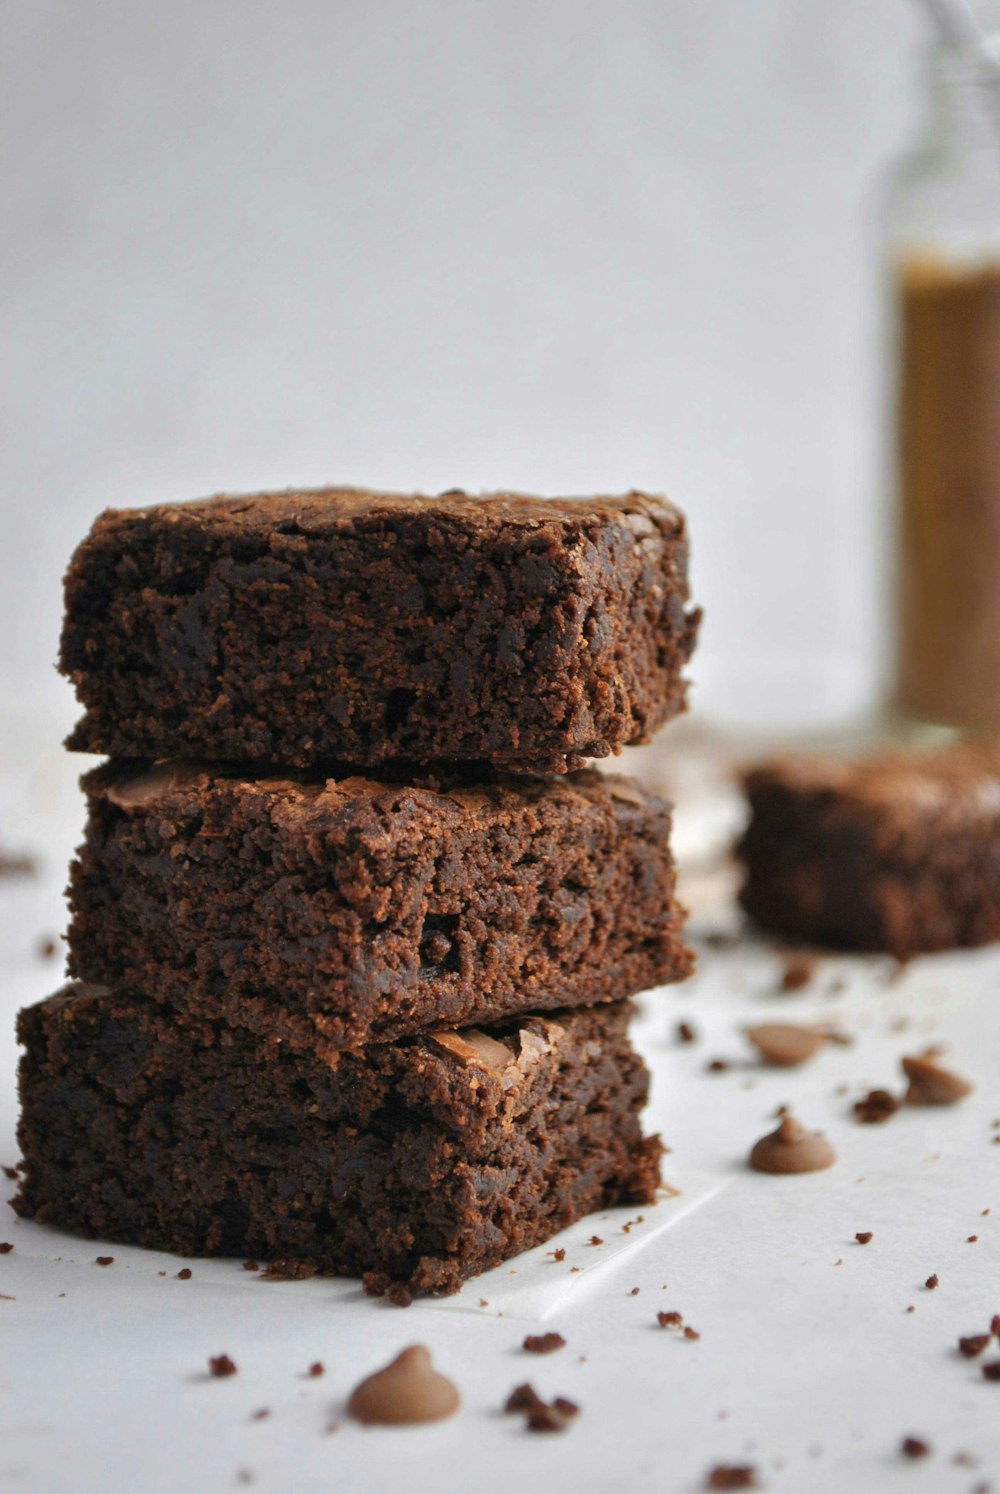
<point x="995" y="1325"/>
<point x="261" y="1415"/>
<point x="991" y="1371"/>
<point x="595" y="1240"/>
<point x="523" y="1398"/>
<point x="691" y="1334"/>
<point x="914" y="1447"/>
<point x="46" y="948"/>
<point x="5" y="1297"/>
<point x="250" y="1266"/>
<point x="315" y="1370"/>
<point x="863" y="1236"/>
<point x="543" y="1343"/>
<point x="876" y="1107"/>
<point x="331" y="1427"/>
<point x="10" y="1172"/>
<point x="911" y="1309"/>
<point x="573" y="1270"/>
<point x="720" y="939"/>
<point x="554" y="1418"/>
<point x="17" y="865"/>
<point x="732" y="1476"/>
<point x="184" y="1274"/>
<point x="244" y="1476"/>
<point x="220" y="1366"/>
<point x="973" y="1345"/>
<point x="105" y="1260"/>
<point x="5" y="1247"/>
<point x="296" y="1270"/>
<point x="669" y="1319"/>
<point x="932" y="1282"/>
<point x="796" y="973"/>
<point x="716" y="1066"/>
<point x="558" y="1255"/>
<point x="686" y="1033"/>
<point x="971" y="1239"/>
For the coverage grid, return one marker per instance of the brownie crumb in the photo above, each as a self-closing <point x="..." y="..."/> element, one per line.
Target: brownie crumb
<point x="991" y="1371"/>
<point x="46" y="948"/>
<point x="261" y="1415"/>
<point x="543" y="1343"/>
<point x="554" y="1418"/>
<point x="220" y="1366"/>
<point x="796" y="973"/>
<point x="971" y="1239"/>
<point x="914" y="1447"/>
<point x="316" y="1370"/>
<point x="11" y="1173"/>
<point x="669" y="1319"/>
<point x="932" y="1282"/>
<point x="17" y="866"/>
<point x="290" y="1269"/>
<point x="686" y="1033"/>
<point x="251" y="1266"/>
<point x="863" y="1236"/>
<point x="995" y="1325"/>
<point x="691" y="1334"/>
<point x="595" y="1240"/>
<point x="558" y="1255"/>
<point x="6" y="1247"/>
<point x="397" y="1292"/>
<point x="523" y="1398"/>
<point x="184" y="1274"/>
<point x="105" y="1260"/>
<point x="876" y="1107"/>
<point x="732" y="1476"/>
<point x="973" y="1345"/>
<point x="717" y="1066"/>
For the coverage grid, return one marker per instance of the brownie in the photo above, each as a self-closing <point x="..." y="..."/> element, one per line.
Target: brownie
<point x="895" y="852"/>
<point x="345" y="910"/>
<point x="415" y="1164"/>
<point x="303" y="627"/>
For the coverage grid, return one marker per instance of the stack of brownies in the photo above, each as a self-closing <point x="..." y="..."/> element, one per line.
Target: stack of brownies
<point x="353" y="934"/>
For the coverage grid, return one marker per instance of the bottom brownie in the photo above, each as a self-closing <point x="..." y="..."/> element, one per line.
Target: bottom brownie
<point x="415" y="1164"/>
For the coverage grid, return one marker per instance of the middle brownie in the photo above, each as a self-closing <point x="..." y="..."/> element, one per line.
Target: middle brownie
<point x="345" y="910"/>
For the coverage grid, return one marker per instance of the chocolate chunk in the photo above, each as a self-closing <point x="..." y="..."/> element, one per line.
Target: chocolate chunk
<point x="544" y="1343"/>
<point x="973" y="1345"/>
<point x="930" y="1084"/>
<point x="876" y="1107"/>
<point x="863" y="1236"/>
<point x="407" y="1391"/>
<point x="784" y="1044"/>
<point x="732" y="1476"/>
<point x="914" y="1447"/>
<point x="221" y="1366"/>
<point x="791" y="1149"/>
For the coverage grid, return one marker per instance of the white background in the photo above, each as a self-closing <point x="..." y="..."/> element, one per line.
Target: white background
<point x="564" y="245"/>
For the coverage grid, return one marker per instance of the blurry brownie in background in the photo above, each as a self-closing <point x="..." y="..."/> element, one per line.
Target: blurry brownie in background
<point x="897" y="852"/>
<point x="347" y="910"/>
<point x="415" y="1164"/>
<point x="339" y="624"/>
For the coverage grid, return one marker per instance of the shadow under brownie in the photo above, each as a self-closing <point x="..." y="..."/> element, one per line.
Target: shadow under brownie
<point x="368" y="627"/>
<point x="414" y="1165"/>
<point x="345" y="910"/>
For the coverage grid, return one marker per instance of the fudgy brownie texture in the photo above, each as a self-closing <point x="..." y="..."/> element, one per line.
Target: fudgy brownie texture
<point x="304" y="627"/>
<point x="898" y="852"/>
<point x="414" y="1165"/>
<point x="346" y="910"/>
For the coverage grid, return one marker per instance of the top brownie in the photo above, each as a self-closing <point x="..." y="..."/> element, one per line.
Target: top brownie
<point x="301" y="627"/>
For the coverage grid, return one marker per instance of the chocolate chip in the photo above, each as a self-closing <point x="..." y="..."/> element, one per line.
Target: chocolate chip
<point x="930" y="1084"/>
<point x="543" y="1343"/>
<point x="792" y="1149"/>
<point x="785" y="1045"/>
<point x="407" y="1391"/>
<point x="221" y="1366"/>
<point x="876" y="1107"/>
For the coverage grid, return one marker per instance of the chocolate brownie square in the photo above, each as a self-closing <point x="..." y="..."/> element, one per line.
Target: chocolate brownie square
<point x="897" y="851"/>
<point x="414" y="1165"/>
<point x="344" y="910"/>
<point x="304" y="627"/>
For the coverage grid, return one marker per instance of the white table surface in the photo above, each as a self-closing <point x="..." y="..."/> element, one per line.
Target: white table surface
<point x="808" y="1364"/>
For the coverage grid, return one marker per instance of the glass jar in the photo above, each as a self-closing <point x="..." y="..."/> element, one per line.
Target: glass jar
<point x="944" y="265"/>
